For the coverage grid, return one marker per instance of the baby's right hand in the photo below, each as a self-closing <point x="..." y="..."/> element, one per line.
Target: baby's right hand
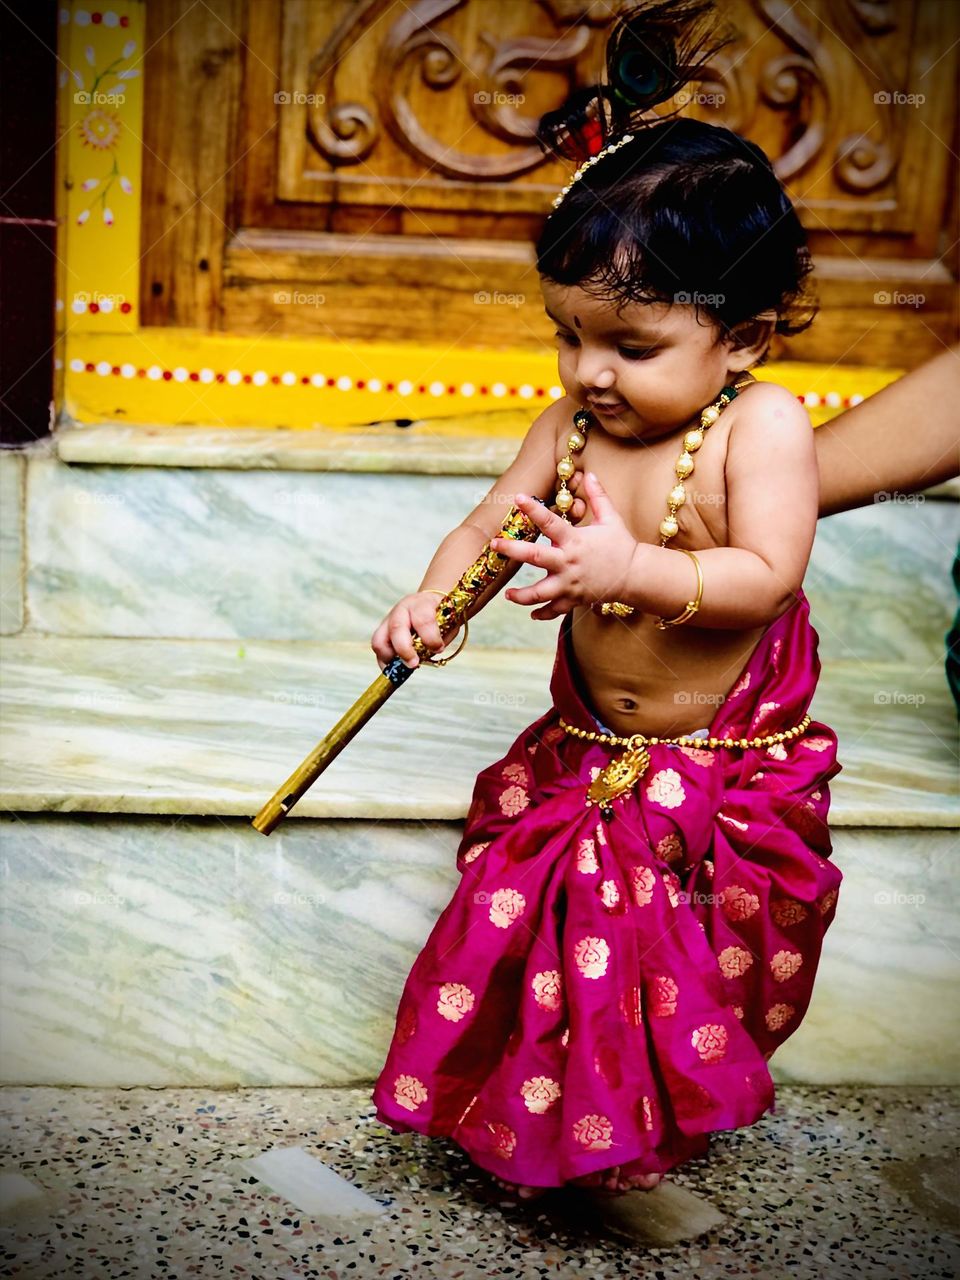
<point x="416" y="612"/>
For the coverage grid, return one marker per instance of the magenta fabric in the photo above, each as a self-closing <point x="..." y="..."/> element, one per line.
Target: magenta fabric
<point x="600" y="994"/>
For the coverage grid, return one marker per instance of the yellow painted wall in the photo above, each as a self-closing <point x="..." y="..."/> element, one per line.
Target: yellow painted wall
<point x="113" y="369"/>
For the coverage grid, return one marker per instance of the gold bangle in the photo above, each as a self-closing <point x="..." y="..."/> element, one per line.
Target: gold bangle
<point x="692" y="605"/>
<point x="442" y="662"/>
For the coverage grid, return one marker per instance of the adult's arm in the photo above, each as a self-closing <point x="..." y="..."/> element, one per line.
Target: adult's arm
<point x="904" y="438"/>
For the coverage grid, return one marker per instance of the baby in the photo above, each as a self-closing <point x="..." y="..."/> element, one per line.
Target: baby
<point x="645" y="875"/>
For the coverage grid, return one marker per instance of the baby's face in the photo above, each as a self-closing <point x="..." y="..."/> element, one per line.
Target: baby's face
<point x="658" y="361"/>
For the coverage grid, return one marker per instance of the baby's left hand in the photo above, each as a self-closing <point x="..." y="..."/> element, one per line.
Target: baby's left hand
<point x="586" y="563"/>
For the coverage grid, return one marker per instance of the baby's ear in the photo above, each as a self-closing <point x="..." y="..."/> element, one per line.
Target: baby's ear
<point x="751" y="338"/>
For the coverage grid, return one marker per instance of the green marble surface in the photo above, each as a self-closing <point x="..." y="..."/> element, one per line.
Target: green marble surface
<point x="212" y="727"/>
<point x="185" y="951"/>
<point x="12" y="467"/>
<point x="220" y="553"/>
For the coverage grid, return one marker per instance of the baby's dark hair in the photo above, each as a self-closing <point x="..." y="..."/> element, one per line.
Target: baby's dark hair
<point x="686" y="211"/>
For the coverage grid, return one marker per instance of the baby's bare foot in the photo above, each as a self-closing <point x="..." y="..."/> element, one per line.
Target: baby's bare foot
<point x="615" y="1182"/>
<point x="520" y="1190"/>
<point x="641" y="1182"/>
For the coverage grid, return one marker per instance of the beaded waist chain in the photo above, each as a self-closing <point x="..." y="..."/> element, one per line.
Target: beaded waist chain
<point x="624" y="770"/>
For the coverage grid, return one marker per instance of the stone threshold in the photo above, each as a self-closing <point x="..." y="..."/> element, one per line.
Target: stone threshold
<point x="470" y="444"/>
<point x="481" y="443"/>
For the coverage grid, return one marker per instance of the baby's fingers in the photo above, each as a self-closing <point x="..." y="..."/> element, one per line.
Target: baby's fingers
<point x="425" y="624"/>
<point x="401" y="626"/>
<point x="380" y="644"/>
<point x="579" y="508"/>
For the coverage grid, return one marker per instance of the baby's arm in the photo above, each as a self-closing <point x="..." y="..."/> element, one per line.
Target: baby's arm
<point x="533" y="471"/>
<point x="772" y="502"/>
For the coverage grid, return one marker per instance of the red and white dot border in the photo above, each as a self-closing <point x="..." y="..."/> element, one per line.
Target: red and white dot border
<point x="95" y="17"/>
<point x="316" y="381"/>
<point x="376" y="386"/>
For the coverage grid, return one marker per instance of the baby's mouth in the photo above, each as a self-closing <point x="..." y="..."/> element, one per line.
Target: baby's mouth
<point x="609" y="409"/>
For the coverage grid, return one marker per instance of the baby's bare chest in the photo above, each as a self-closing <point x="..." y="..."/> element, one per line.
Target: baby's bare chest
<point x="640" y="477"/>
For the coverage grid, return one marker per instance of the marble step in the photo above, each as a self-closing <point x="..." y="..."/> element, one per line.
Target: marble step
<point x="216" y="553"/>
<point x="215" y="727"/>
<point x="150" y="936"/>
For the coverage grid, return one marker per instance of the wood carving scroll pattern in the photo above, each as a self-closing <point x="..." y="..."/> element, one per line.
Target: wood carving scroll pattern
<point x="801" y="80"/>
<point x="347" y="132"/>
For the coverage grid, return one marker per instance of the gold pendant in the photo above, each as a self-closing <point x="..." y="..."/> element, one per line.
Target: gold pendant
<point x="618" y="776"/>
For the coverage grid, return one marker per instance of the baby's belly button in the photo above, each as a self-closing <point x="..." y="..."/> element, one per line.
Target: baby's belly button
<point x="662" y="714"/>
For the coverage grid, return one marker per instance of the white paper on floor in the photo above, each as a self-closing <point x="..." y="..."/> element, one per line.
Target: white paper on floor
<point x="310" y="1185"/>
<point x="19" y="1197"/>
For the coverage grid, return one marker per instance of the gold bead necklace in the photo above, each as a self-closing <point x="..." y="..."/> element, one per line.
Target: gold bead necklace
<point x="684" y="466"/>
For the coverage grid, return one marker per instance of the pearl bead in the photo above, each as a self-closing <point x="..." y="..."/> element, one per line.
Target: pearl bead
<point x="678" y="495"/>
<point x="668" y="526"/>
<point x="564" y="500"/>
<point x="576" y="441"/>
<point x="684" y="465"/>
<point x="693" y="440"/>
<point x="565" y="468"/>
<point x="709" y="416"/>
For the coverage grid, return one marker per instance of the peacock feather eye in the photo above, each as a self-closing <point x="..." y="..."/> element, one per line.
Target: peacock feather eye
<point x="643" y="73"/>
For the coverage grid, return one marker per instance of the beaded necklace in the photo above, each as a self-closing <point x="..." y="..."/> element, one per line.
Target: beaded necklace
<point x="626" y="769"/>
<point x="683" y="467"/>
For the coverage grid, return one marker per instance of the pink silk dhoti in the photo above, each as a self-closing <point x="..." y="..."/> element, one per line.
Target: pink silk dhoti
<point x="608" y="993"/>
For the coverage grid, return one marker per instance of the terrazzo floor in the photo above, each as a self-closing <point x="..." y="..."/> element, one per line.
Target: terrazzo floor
<point x="144" y="1183"/>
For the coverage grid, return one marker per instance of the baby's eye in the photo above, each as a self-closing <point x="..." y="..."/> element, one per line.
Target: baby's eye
<point x="632" y="353"/>
<point x="564" y="337"/>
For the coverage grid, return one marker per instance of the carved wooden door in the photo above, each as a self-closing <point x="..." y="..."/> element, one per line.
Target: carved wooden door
<point x="366" y="169"/>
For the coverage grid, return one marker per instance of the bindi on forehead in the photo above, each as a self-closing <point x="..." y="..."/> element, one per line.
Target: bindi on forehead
<point x="636" y="330"/>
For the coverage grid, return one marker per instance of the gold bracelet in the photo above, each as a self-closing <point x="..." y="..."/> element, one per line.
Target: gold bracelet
<point x="442" y="662"/>
<point x="692" y="605"/>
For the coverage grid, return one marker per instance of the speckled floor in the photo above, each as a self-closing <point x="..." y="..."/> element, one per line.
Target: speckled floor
<point x="144" y="1183"/>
